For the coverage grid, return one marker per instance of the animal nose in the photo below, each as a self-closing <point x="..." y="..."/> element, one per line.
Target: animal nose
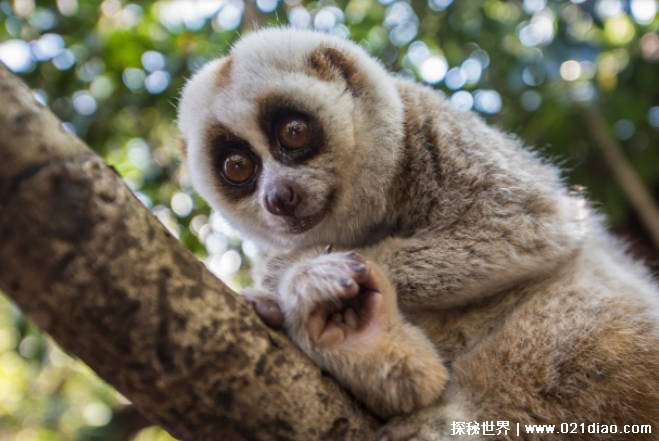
<point x="283" y="198"/>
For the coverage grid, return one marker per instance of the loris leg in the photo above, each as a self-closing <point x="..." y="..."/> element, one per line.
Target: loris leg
<point x="564" y="357"/>
<point x="444" y="420"/>
<point x="341" y="311"/>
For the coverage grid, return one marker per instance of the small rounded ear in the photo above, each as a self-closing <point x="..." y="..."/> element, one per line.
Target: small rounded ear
<point x="223" y="75"/>
<point x="330" y="64"/>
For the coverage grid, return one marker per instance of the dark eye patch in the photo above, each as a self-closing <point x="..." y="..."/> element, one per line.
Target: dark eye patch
<point x="275" y="111"/>
<point x="224" y="148"/>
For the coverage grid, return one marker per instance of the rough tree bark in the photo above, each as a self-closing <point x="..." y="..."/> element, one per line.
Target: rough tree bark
<point x="93" y="268"/>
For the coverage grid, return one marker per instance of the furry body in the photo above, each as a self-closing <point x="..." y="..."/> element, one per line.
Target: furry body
<point x="467" y="283"/>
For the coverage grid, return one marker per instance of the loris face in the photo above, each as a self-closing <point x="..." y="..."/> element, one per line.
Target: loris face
<point x="277" y="173"/>
<point x="287" y="135"/>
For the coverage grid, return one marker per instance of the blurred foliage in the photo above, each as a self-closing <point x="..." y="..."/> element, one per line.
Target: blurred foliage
<point x="112" y="71"/>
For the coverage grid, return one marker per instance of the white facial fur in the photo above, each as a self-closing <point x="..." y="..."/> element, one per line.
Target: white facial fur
<point x="363" y="133"/>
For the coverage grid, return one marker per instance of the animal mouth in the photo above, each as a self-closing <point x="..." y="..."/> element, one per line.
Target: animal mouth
<point x="298" y="225"/>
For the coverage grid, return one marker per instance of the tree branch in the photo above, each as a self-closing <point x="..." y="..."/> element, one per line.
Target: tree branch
<point x="92" y="267"/>
<point x="632" y="185"/>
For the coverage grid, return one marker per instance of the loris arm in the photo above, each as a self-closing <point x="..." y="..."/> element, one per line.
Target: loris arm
<point x="508" y="235"/>
<point x="341" y="311"/>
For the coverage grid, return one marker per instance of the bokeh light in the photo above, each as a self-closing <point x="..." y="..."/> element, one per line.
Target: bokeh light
<point x="15" y="54"/>
<point x="530" y="100"/>
<point x="47" y="46"/>
<point x="624" y="129"/>
<point x="299" y="17"/>
<point x="182" y="204"/>
<point x="608" y="8"/>
<point x="152" y="61"/>
<point x="462" y="100"/>
<point x="156" y="82"/>
<point x="433" y="69"/>
<point x="455" y="78"/>
<point x="570" y="70"/>
<point x="539" y="31"/>
<point x="643" y="11"/>
<point x="84" y="103"/>
<point x="230" y="15"/>
<point x="653" y="116"/>
<point x="64" y="60"/>
<point x="487" y="101"/>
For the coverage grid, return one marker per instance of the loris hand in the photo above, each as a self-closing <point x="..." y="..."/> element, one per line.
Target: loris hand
<point x="341" y="310"/>
<point x="336" y="299"/>
<point x="265" y="305"/>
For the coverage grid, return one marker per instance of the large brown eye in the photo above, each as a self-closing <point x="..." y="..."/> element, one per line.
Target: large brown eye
<point x="238" y="168"/>
<point x="294" y="132"/>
